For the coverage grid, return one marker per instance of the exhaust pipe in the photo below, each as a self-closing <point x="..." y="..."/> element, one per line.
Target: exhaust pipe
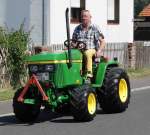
<point x="68" y="37"/>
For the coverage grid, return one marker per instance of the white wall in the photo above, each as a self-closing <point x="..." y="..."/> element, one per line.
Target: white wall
<point x="13" y="12"/>
<point x="36" y="21"/>
<point x="123" y="32"/>
<point x="98" y="9"/>
<point x="57" y="21"/>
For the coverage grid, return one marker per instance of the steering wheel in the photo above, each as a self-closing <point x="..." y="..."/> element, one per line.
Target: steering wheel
<point x="75" y="44"/>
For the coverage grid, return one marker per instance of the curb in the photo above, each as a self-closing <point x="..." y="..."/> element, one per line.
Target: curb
<point x="4" y="101"/>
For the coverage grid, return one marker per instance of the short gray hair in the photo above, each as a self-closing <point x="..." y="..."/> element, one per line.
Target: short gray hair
<point x="85" y="11"/>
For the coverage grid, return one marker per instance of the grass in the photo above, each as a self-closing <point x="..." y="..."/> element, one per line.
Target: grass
<point x="6" y="94"/>
<point x="138" y="73"/>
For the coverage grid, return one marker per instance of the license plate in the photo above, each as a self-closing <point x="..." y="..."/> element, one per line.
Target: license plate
<point x="43" y="76"/>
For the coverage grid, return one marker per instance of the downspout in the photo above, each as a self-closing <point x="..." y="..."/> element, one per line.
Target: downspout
<point x="43" y="22"/>
<point x="49" y="22"/>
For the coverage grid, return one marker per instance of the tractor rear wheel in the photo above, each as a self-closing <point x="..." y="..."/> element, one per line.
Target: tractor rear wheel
<point x="25" y="112"/>
<point x="114" y="95"/>
<point x="84" y="103"/>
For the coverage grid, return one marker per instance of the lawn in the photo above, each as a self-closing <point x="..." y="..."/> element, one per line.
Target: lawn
<point x="6" y="94"/>
<point x="138" y="73"/>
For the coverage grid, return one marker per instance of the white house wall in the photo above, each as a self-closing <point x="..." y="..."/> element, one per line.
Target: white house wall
<point x="57" y="18"/>
<point x="36" y="21"/>
<point x="98" y="9"/>
<point x="13" y="12"/>
<point x="99" y="14"/>
<point x="123" y="32"/>
<point x="57" y="21"/>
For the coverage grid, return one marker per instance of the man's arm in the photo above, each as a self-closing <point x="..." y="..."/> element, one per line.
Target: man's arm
<point x="101" y="43"/>
<point x="101" y="46"/>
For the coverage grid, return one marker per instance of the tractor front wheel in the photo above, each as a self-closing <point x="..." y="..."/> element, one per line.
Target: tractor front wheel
<point x="25" y="112"/>
<point x="84" y="103"/>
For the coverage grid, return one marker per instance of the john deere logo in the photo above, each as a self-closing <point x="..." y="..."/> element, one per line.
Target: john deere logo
<point x="77" y="81"/>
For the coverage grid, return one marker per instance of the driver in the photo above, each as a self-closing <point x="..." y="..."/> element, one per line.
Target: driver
<point x="91" y="35"/>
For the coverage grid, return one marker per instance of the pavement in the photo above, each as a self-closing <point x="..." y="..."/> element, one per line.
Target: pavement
<point x="134" y="121"/>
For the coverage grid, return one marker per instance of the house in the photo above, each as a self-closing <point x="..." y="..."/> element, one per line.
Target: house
<point x="142" y="25"/>
<point x="47" y="17"/>
<point x="115" y="21"/>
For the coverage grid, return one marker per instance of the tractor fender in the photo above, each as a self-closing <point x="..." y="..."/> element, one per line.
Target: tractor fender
<point x="102" y="69"/>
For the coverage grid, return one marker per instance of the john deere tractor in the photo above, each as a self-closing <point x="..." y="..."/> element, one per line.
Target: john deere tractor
<point x="58" y="81"/>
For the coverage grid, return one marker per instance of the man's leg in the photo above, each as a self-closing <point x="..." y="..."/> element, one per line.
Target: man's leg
<point x="89" y="54"/>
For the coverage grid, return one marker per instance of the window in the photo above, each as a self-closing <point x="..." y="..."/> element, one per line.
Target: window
<point x="113" y="11"/>
<point x="76" y="7"/>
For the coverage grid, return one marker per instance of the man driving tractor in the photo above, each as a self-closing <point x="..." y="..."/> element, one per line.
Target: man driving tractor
<point x="91" y="35"/>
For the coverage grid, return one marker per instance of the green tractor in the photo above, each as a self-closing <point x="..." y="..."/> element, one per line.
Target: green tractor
<point x="57" y="81"/>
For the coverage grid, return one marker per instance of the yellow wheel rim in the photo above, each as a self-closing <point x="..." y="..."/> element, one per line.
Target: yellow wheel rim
<point x="91" y="103"/>
<point x="123" y="90"/>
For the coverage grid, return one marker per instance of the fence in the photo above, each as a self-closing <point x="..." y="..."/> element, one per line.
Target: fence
<point x="4" y="76"/>
<point x="118" y="50"/>
<point x="112" y="50"/>
<point x="142" y="50"/>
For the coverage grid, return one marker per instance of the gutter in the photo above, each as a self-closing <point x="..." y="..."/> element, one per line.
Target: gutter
<point x="43" y="22"/>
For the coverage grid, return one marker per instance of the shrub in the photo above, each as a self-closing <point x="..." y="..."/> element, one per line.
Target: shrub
<point x="16" y="41"/>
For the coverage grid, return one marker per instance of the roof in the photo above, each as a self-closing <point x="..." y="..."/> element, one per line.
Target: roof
<point x="146" y="11"/>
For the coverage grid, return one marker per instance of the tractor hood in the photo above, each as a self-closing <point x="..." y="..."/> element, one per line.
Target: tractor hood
<point x="47" y="57"/>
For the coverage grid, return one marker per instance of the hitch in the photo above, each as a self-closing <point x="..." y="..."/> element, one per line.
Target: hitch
<point x="32" y="80"/>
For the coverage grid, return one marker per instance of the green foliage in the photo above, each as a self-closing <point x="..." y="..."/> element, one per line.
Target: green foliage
<point x="17" y="45"/>
<point x="3" y="38"/>
<point x="16" y="42"/>
<point x="139" y="5"/>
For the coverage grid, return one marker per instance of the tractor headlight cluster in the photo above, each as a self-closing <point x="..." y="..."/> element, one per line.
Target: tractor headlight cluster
<point x="49" y="68"/>
<point x="41" y="68"/>
<point x="33" y="68"/>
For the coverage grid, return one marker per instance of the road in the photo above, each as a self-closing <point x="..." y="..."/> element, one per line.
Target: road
<point x="134" y="121"/>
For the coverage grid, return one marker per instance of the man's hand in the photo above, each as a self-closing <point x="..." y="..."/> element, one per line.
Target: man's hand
<point x="73" y="44"/>
<point x="98" y="54"/>
<point x="101" y="47"/>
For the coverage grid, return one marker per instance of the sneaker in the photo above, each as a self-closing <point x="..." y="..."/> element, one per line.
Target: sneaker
<point x="89" y="74"/>
<point x="88" y="81"/>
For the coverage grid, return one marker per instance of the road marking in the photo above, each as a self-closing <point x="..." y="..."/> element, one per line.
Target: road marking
<point x="7" y="114"/>
<point x="140" y="89"/>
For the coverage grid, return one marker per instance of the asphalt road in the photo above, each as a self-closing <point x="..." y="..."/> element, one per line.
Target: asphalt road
<point x="134" y="121"/>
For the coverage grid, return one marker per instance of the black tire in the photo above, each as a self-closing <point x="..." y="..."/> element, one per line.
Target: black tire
<point x="114" y="95"/>
<point x="25" y="112"/>
<point x="80" y="103"/>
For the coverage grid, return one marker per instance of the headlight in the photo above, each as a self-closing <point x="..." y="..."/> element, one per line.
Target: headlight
<point x="33" y="68"/>
<point x="49" y="68"/>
